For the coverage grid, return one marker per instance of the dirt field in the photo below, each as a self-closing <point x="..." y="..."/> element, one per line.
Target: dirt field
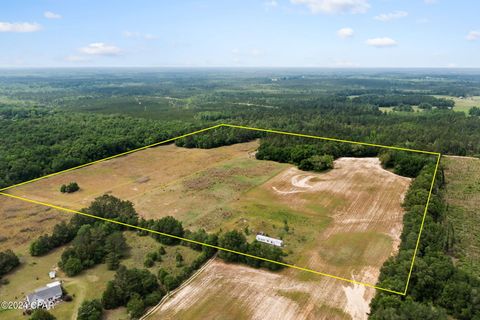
<point x="345" y="222"/>
<point x="227" y="291"/>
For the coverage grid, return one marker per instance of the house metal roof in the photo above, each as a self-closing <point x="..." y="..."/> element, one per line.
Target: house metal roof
<point x="46" y="293"/>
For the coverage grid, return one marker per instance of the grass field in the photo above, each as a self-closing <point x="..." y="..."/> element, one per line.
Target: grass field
<point x="345" y="222"/>
<point x="463" y="197"/>
<point x="463" y="104"/>
<point x="22" y="222"/>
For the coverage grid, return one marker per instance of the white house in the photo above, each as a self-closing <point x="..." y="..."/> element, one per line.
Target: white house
<point x="45" y="297"/>
<point x="273" y="241"/>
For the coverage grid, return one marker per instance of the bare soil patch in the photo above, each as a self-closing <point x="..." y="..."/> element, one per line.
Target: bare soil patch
<point x="224" y="291"/>
<point x="360" y="204"/>
<point x="345" y="222"/>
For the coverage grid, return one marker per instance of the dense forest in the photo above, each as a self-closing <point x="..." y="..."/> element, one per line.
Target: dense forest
<point x="57" y="139"/>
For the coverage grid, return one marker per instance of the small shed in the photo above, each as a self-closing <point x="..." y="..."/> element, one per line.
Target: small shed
<point x="52" y="274"/>
<point x="272" y="241"/>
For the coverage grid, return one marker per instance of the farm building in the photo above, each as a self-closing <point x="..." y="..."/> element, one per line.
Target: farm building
<point x="46" y="296"/>
<point x="273" y="241"/>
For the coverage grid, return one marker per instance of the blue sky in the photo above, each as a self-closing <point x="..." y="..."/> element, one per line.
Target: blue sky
<point x="266" y="33"/>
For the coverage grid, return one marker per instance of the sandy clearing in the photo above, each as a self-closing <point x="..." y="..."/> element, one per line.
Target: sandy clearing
<point x="373" y="195"/>
<point x="224" y="288"/>
<point x="364" y="202"/>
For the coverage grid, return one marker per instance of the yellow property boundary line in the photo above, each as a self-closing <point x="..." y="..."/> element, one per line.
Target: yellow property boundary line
<point x="225" y="249"/>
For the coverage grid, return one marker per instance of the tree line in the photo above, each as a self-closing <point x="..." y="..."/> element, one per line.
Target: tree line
<point x="438" y="289"/>
<point x="393" y="100"/>
<point x="92" y="241"/>
<point x="35" y="141"/>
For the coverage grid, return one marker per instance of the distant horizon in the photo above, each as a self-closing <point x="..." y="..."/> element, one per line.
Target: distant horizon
<point x="234" y="67"/>
<point x="327" y="34"/>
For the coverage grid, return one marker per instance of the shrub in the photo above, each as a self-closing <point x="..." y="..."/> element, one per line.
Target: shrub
<point x="69" y="188"/>
<point x="135" y="306"/>
<point x="148" y="263"/>
<point x="72" y="267"/>
<point x="90" y="310"/>
<point x="41" y="314"/>
<point x="8" y="261"/>
<point x="40" y="246"/>
<point x="161" y="250"/>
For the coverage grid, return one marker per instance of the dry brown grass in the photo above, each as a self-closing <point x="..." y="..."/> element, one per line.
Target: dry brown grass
<point x="21" y="222"/>
<point x="344" y="222"/>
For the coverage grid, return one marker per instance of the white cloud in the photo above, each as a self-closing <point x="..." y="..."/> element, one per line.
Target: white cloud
<point x="345" y="33"/>
<point x="381" y="42"/>
<point x="138" y="35"/>
<point x="385" y="17"/>
<point x="473" y="35"/>
<point x="101" y="49"/>
<point x="51" y="15"/>
<point x="430" y="1"/>
<point x="19" y="27"/>
<point x="335" y="6"/>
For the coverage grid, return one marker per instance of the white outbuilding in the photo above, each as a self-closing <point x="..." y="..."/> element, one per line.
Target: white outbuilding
<point x="272" y="241"/>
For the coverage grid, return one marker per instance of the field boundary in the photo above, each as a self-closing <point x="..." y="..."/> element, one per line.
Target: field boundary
<point x="437" y="154"/>
<point x="175" y="291"/>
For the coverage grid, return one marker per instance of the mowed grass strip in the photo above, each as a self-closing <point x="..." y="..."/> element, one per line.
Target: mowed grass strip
<point x="462" y="176"/>
<point x="261" y="210"/>
<point x="356" y="248"/>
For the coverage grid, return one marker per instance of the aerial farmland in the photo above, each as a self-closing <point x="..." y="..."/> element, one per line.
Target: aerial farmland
<point x="344" y="222"/>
